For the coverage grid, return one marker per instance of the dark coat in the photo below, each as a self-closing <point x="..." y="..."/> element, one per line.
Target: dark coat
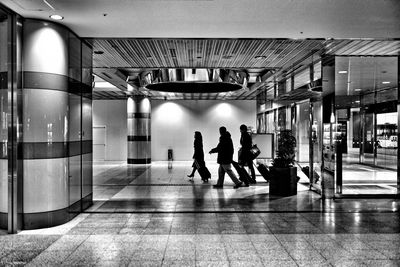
<point x="224" y="149"/>
<point x="198" y="154"/>
<point x="246" y="143"/>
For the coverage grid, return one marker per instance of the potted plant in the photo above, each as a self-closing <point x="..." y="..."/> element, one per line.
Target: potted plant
<point x="283" y="173"/>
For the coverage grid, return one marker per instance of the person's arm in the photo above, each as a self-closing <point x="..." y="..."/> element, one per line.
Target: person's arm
<point x="215" y="149"/>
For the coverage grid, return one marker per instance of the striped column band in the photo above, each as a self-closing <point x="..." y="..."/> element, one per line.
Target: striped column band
<point x="139" y="132"/>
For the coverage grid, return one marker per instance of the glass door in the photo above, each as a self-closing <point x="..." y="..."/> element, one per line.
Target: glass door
<point x="366" y="100"/>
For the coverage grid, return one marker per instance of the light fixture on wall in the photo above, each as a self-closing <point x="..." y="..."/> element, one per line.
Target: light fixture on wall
<point x="332" y="117"/>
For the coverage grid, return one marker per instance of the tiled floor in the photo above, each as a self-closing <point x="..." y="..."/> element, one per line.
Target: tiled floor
<point x="191" y="224"/>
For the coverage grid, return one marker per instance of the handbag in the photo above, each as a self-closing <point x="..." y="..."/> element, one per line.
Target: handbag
<point x="254" y="152"/>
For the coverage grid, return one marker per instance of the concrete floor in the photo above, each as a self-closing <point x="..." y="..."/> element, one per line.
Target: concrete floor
<point x="154" y="216"/>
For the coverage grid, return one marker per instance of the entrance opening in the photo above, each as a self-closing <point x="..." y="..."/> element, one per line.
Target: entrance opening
<point x="367" y="123"/>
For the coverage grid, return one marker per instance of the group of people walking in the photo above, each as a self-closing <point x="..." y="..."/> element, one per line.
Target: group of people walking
<point x="225" y="152"/>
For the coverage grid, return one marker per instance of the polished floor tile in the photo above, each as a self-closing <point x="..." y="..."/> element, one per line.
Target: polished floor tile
<point x="154" y="216"/>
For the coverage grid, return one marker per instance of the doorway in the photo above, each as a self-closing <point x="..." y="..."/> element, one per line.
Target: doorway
<point x="366" y="96"/>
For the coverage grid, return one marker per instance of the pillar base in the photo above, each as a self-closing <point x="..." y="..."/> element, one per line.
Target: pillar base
<point x="139" y="161"/>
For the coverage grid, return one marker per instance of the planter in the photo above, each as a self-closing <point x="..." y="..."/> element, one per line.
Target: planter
<point x="283" y="181"/>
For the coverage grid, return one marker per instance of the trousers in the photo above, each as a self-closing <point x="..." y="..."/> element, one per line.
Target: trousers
<point x="226" y="168"/>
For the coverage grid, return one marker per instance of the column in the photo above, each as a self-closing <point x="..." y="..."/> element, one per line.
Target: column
<point x="45" y="124"/>
<point x="139" y="132"/>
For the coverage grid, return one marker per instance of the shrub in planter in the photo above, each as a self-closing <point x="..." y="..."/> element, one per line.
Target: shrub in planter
<point x="284" y="175"/>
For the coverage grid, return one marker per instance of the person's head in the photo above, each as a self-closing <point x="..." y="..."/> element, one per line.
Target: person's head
<point x="197" y="135"/>
<point x="243" y="128"/>
<point x="222" y="130"/>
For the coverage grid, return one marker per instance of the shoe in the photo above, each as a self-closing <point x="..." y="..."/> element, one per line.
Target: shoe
<point x="236" y="186"/>
<point x="190" y="176"/>
<point x="246" y="185"/>
<point x="218" y="186"/>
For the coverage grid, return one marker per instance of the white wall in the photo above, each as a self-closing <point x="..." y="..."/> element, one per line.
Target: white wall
<point x="113" y="115"/>
<point x="173" y="124"/>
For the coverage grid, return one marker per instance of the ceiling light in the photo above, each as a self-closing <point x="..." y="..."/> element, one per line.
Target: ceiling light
<point x="260" y="57"/>
<point x="56" y="17"/>
<point x="385" y="82"/>
<point x="342" y="71"/>
<point x="357" y="89"/>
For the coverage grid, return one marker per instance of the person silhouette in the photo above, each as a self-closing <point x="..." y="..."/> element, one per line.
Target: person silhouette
<point x="198" y="155"/>
<point x="225" y="156"/>
<point x="245" y="157"/>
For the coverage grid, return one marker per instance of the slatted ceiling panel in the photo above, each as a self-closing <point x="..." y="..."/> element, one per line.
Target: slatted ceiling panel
<point x="383" y="47"/>
<point x="126" y="54"/>
<point x="363" y="47"/>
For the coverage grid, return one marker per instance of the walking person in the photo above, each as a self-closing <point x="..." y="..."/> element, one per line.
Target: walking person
<point x="198" y="155"/>
<point x="245" y="157"/>
<point x="224" y="159"/>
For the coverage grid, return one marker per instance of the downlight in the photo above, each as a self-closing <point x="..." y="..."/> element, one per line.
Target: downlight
<point x="56" y="17"/>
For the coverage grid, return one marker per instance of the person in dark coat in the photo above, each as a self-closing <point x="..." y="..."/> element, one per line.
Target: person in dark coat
<point x="198" y="155"/>
<point x="225" y="156"/>
<point x="245" y="156"/>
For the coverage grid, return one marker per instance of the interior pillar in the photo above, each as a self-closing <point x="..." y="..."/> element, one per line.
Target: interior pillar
<point x="139" y="132"/>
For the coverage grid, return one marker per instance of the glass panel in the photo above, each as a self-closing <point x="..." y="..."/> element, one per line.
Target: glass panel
<point x="386" y="124"/>
<point x="74" y="131"/>
<point x="87" y="135"/>
<point x="303" y="128"/>
<point x="302" y="78"/>
<point x="317" y="137"/>
<point x="3" y="117"/>
<point x="366" y="97"/>
<point x="317" y="70"/>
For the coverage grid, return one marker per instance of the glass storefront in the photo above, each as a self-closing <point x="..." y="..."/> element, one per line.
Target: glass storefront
<point x="366" y="96"/>
<point x="3" y="117"/>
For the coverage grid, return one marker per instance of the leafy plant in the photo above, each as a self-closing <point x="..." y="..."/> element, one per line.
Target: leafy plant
<point x="286" y="150"/>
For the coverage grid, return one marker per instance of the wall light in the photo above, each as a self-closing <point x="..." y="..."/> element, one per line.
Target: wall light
<point x="385" y="82"/>
<point x="333" y="117"/>
<point x="224" y="110"/>
<point x="342" y="71"/>
<point x="170" y="113"/>
<point x="56" y="17"/>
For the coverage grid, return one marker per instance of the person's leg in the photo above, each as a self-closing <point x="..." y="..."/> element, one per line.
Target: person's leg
<point x="228" y="170"/>
<point x="193" y="171"/>
<point x="221" y="176"/>
<point x="251" y="167"/>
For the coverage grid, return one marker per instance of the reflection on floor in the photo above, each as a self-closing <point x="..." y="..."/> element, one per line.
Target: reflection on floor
<point x="120" y="187"/>
<point x="219" y="230"/>
<point x="366" y="179"/>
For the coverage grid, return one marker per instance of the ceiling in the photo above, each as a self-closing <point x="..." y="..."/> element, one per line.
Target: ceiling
<point x="129" y="36"/>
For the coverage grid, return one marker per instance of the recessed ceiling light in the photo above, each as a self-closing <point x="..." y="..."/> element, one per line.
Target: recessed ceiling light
<point x="342" y="71"/>
<point x="56" y="17"/>
<point x="385" y="82"/>
<point x="260" y="57"/>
